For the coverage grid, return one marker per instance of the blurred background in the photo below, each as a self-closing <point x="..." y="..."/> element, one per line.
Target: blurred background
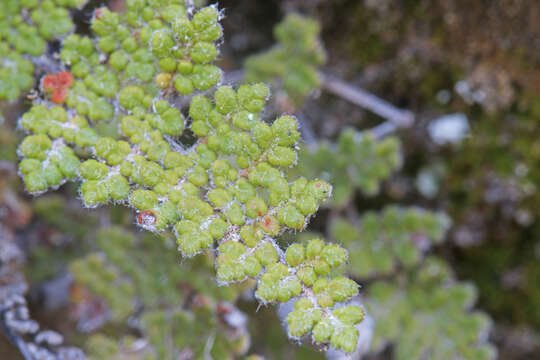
<point x="469" y="72"/>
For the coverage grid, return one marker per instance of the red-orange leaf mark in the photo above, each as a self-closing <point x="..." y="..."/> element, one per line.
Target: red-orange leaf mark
<point x="269" y="224"/>
<point x="146" y="218"/>
<point x="57" y="85"/>
<point x="98" y="13"/>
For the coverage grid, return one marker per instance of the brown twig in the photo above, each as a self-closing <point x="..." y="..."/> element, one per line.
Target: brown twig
<point x="397" y="117"/>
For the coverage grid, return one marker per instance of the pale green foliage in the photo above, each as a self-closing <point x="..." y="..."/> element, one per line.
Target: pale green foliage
<point x="292" y="64"/>
<point x="25" y="28"/>
<point x="228" y="188"/>
<point x="418" y="308"/>
<point x="356" y="161"/>
<point x="426" y="314"/>
<point x="140" y="277"/>
<point x="416" y="304"/>
<point x="382" y="241"/>
<point x="100" y="346"/>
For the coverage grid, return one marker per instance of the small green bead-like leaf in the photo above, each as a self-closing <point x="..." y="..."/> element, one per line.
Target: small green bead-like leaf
<point x="203" y="52"/>
<point x="288" y="288"/>
<point x="350" y="314"/>
<point x="251" y="235"/>
<point x="266" y="254"/>
<point x="225" y="98"/>
<point x="35" y="146"/>
<point x="319" y="189"/>
<point x="195" y="209"/>
<point x="252" y="97"/>
<point x="52" y="175"/>
<point x="205" y="76"/>
<point x="262" y="134"/>
<point x="143" y="199"/>
<point x="119" y="187"/>
<point x="284" y="129"/>
<point x="183" y="28"/>
<point x="219" y="197"/>
<point x="323" y="331"/>
<point x="325" y="300"/>
<point x="235" y="214"/>
<point x="28" y="165"/>
<point x="345" y="339"/>
<point x="256" y="207"/>
<point x="334" y="255"/>
<point x="205" y="18"/>
<point x="161" y="43"/>
<point x="295" y="255"/>
<point x="105" y="146"/>
<point x="93" y="170"/>
<point x="314" y="248"/>
<point x="35" y="182"/>
<point x="173" y="159"/>
<point x="198" y="176"/>
<point x="94" y="193"/>
<point x="131" y="96"/>
<point x="183" y="85"/>
<point x="252" y="267"/>
<point x="321" y="267"/>
<point x="243" y="190"/>
<point x="150" y="173"/>
<point x="189" y="245"/>
<point x="217" y="228"/>
<point x="300" y="323"/>
<point x="200" y="107"/>
<point x="307" y="275"/>
<point x="184" y="67"/>
<point x="307" y="204"/>
<point x="320" y="285"/>
<point x="282" y="156"/>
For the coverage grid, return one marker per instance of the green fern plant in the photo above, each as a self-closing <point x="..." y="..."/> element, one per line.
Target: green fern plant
<point x="140" y="277"/>
<point x="415" y="302"/>
<point x="381" y="242"/>
<point x="226" y="191"/>
<point x="430" y="315"/>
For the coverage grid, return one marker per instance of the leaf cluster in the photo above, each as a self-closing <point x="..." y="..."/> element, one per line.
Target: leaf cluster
<point x="25" y="28"/>
<point x="226" y="191"/>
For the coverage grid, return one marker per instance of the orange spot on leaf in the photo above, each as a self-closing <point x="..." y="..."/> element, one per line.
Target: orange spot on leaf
<point x="57" y="85"/>
<point x="65" y="79"/>
<point x="146" y="218"/>
<point x="98" y="13"/>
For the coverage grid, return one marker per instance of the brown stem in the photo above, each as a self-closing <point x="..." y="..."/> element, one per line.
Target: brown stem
<point x="398" y="117"/>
